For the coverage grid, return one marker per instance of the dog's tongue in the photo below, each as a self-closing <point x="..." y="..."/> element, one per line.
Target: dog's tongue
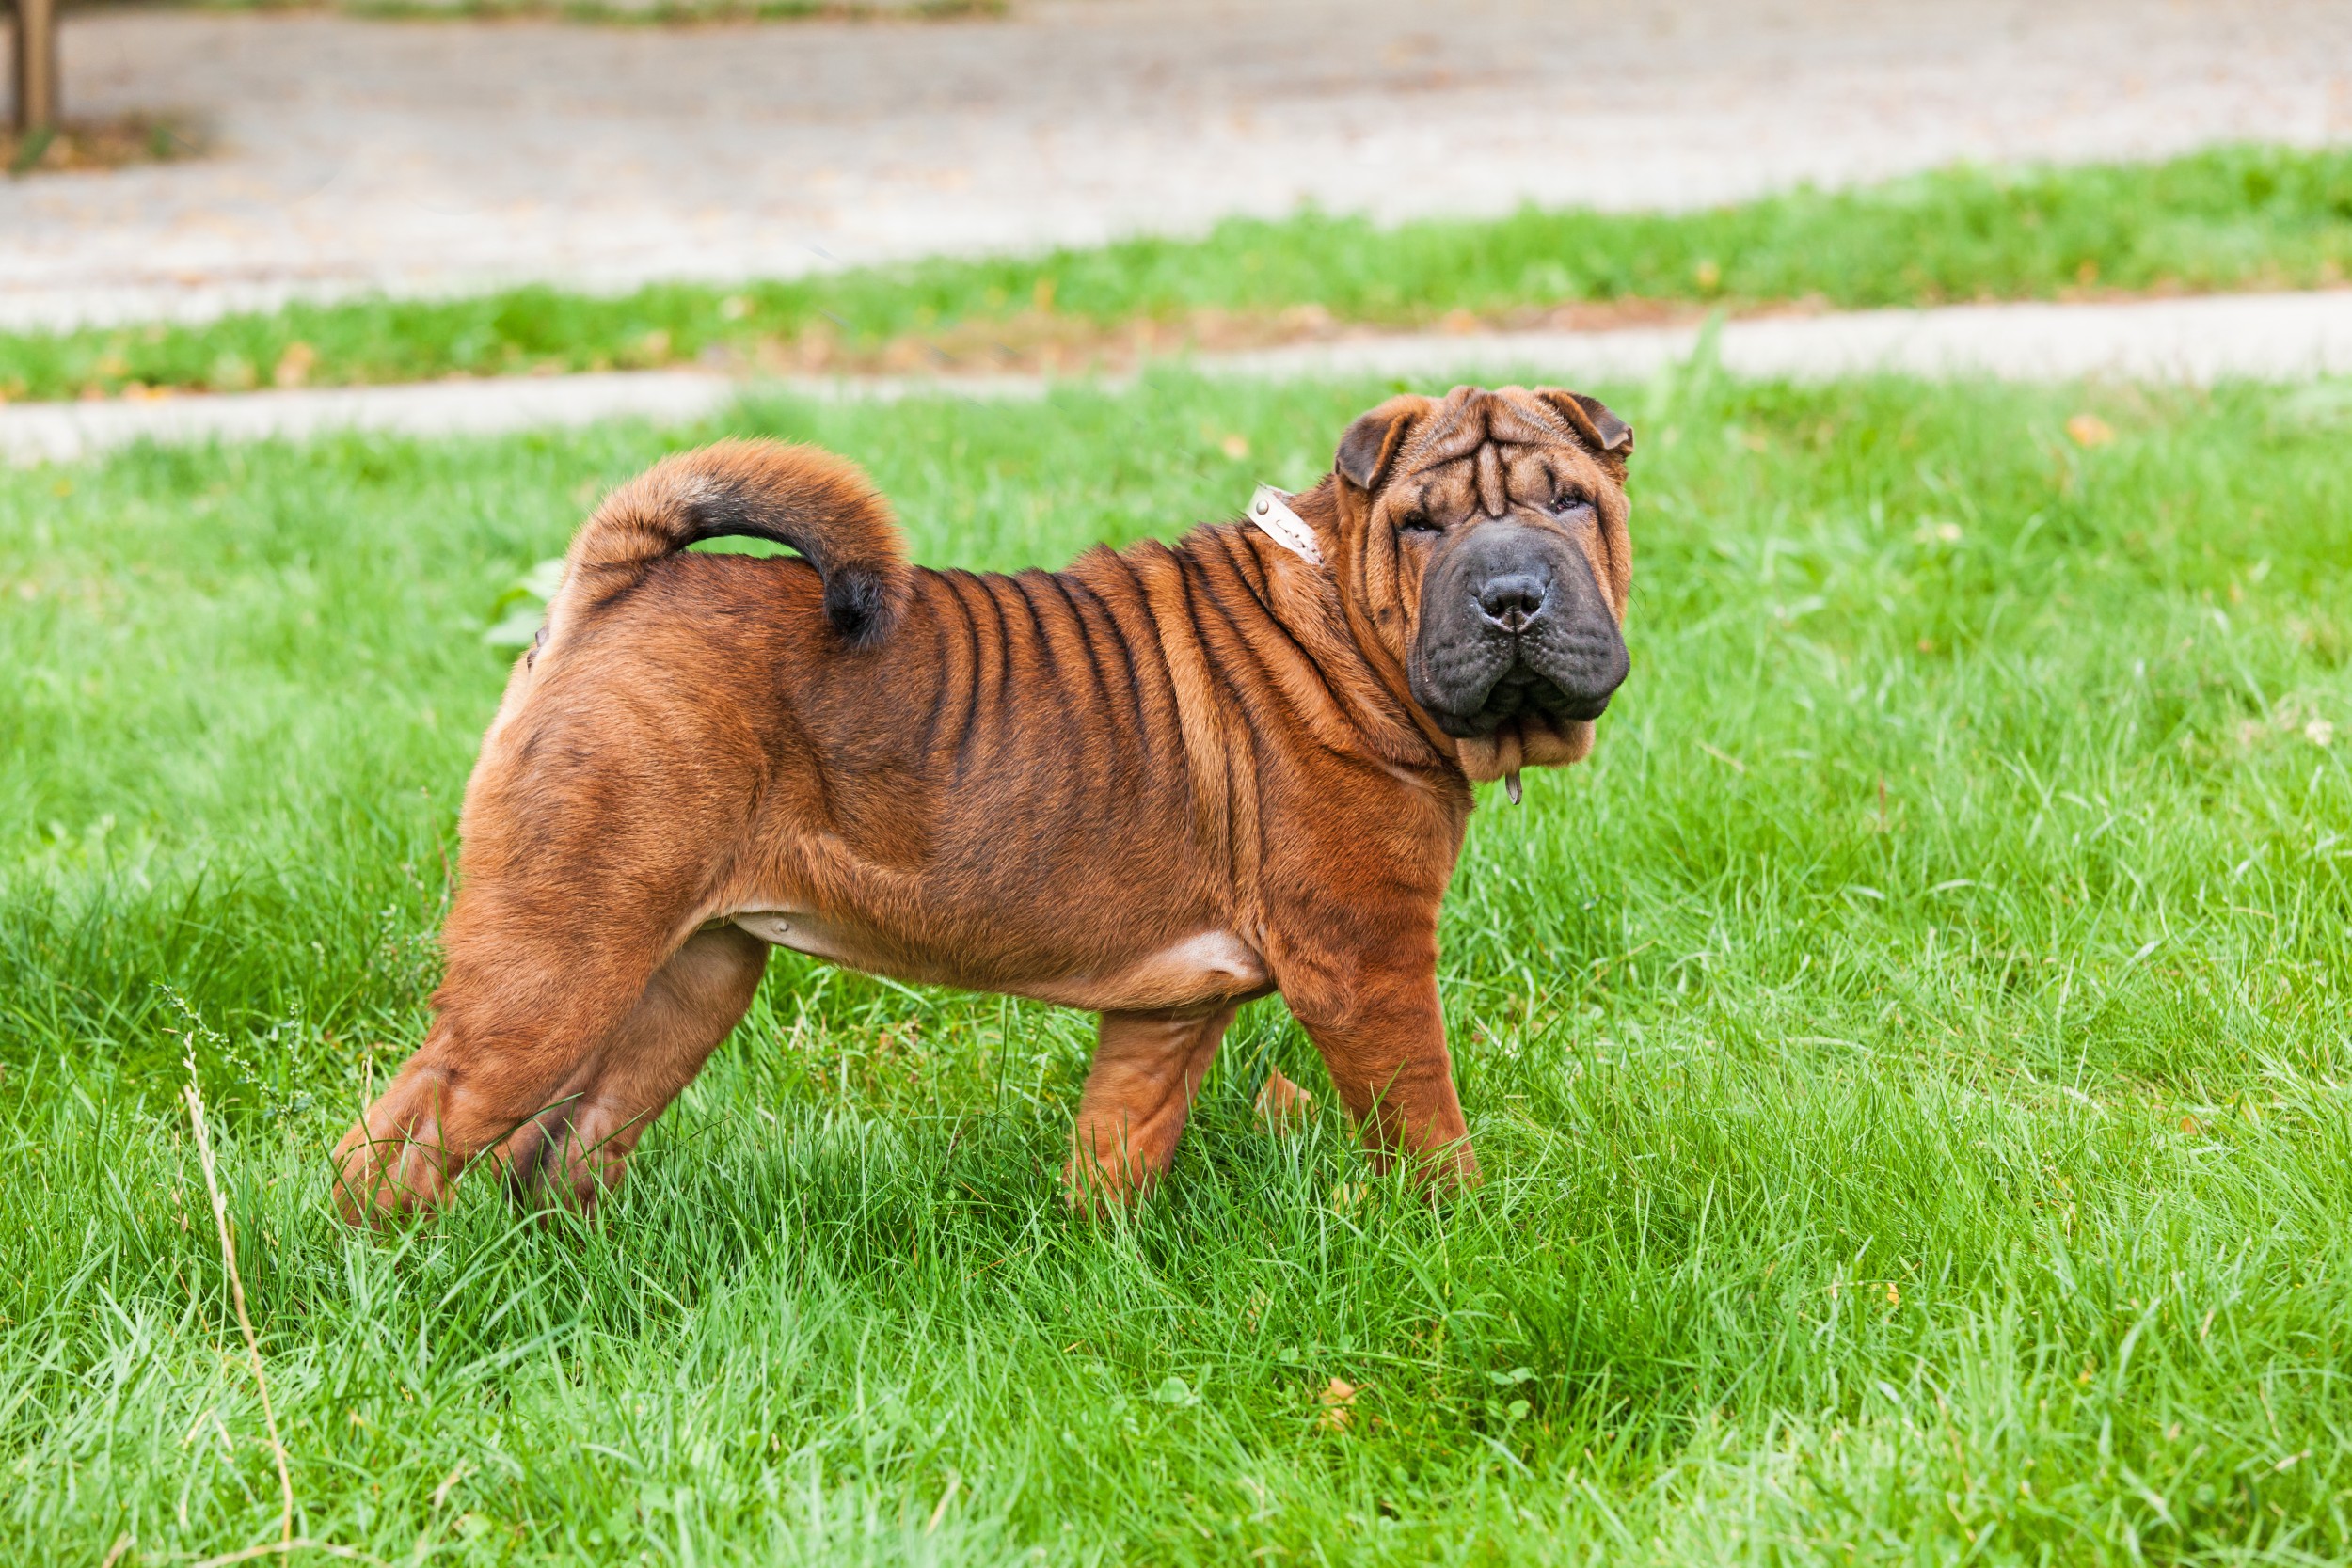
<point x="1510" y="751"/>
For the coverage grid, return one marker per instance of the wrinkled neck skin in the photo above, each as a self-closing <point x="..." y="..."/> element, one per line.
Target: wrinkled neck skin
<point x="1322" y="607"/>
<point x="1380" y="640"/>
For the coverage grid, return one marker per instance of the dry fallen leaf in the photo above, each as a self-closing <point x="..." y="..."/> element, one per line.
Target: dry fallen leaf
<point x="1338" y="1396"/>
<point x="293" y="366"/>
<point x="2090" y="430"/>
<point x="1235" y="447"/>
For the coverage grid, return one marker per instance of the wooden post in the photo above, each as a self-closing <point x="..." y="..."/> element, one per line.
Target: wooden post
<point x="36" y="65"/>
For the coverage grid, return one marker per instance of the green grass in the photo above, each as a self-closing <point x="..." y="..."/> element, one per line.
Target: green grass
<point x="2227" y="218"/>
<point x="1911" y="1060"/>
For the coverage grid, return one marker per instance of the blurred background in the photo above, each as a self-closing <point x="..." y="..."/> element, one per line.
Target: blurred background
<point x="443" y="146"/>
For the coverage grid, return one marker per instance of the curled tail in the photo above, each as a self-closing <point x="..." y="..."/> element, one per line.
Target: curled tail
<point x="820" y="505"/>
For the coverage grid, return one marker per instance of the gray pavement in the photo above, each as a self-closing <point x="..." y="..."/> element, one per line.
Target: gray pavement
<point x="60" y="432"/>
<point x="2266" y="337"/>
<point x="428" y="157"/>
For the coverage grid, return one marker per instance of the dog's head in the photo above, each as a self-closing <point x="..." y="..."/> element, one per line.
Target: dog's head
<point x="1487" y="537"/>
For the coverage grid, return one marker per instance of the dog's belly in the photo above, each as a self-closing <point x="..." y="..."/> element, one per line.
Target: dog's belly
<point x="1202" y="969"/>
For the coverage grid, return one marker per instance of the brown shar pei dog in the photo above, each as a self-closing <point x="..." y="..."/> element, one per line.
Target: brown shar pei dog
<point x="1154" y="786"/>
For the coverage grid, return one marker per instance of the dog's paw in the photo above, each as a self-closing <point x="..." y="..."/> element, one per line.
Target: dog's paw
<point x="568" y="1156"/>
<point x="381" y="1180"/>
<point x="1283" y="1106"/>
<point x="395" y="1161"/>
<point x="1096" y="1189"/>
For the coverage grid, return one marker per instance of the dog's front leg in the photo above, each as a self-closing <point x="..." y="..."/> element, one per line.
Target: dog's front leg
<point x="1147" y="1068"/>
<point x="1382" y="1037"/>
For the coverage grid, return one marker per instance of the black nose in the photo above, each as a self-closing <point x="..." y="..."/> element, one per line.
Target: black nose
<point x="1512" y="600"/>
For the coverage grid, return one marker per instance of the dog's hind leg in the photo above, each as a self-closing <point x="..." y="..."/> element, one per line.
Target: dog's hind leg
<point x="526" y="1000"/>
<point x="579" y="1145"/>
<point x="1147" y="1068"/>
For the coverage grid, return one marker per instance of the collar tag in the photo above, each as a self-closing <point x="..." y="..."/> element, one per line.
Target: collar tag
<point x="1270" y="510"/>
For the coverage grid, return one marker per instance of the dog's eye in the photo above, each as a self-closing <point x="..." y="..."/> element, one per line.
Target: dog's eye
<point x="1571" y="506"/>
<point x="1417" y="522"/>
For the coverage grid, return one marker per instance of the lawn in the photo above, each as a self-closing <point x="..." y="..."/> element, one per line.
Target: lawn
<point x="2225" y="218"/>
<point x="1911" y="1061"/>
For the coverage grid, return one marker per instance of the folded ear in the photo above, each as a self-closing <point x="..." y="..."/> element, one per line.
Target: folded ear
<point x="1371" y="443"/>
<point x="1608" y="436"/>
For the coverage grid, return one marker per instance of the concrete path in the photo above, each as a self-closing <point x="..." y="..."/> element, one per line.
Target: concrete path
<point x="2265" y="336"/>
<point x="441" y="156"/>
<point x="59" y="431"/>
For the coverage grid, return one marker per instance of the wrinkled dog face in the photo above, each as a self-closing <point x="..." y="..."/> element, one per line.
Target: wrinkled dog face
<point x="1489" y="529"/>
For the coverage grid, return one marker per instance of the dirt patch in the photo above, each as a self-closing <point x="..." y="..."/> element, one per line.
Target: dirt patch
<point x="80" y="145"/>
<point x="1044" y="343"/>
<point x="659" y="13"/>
